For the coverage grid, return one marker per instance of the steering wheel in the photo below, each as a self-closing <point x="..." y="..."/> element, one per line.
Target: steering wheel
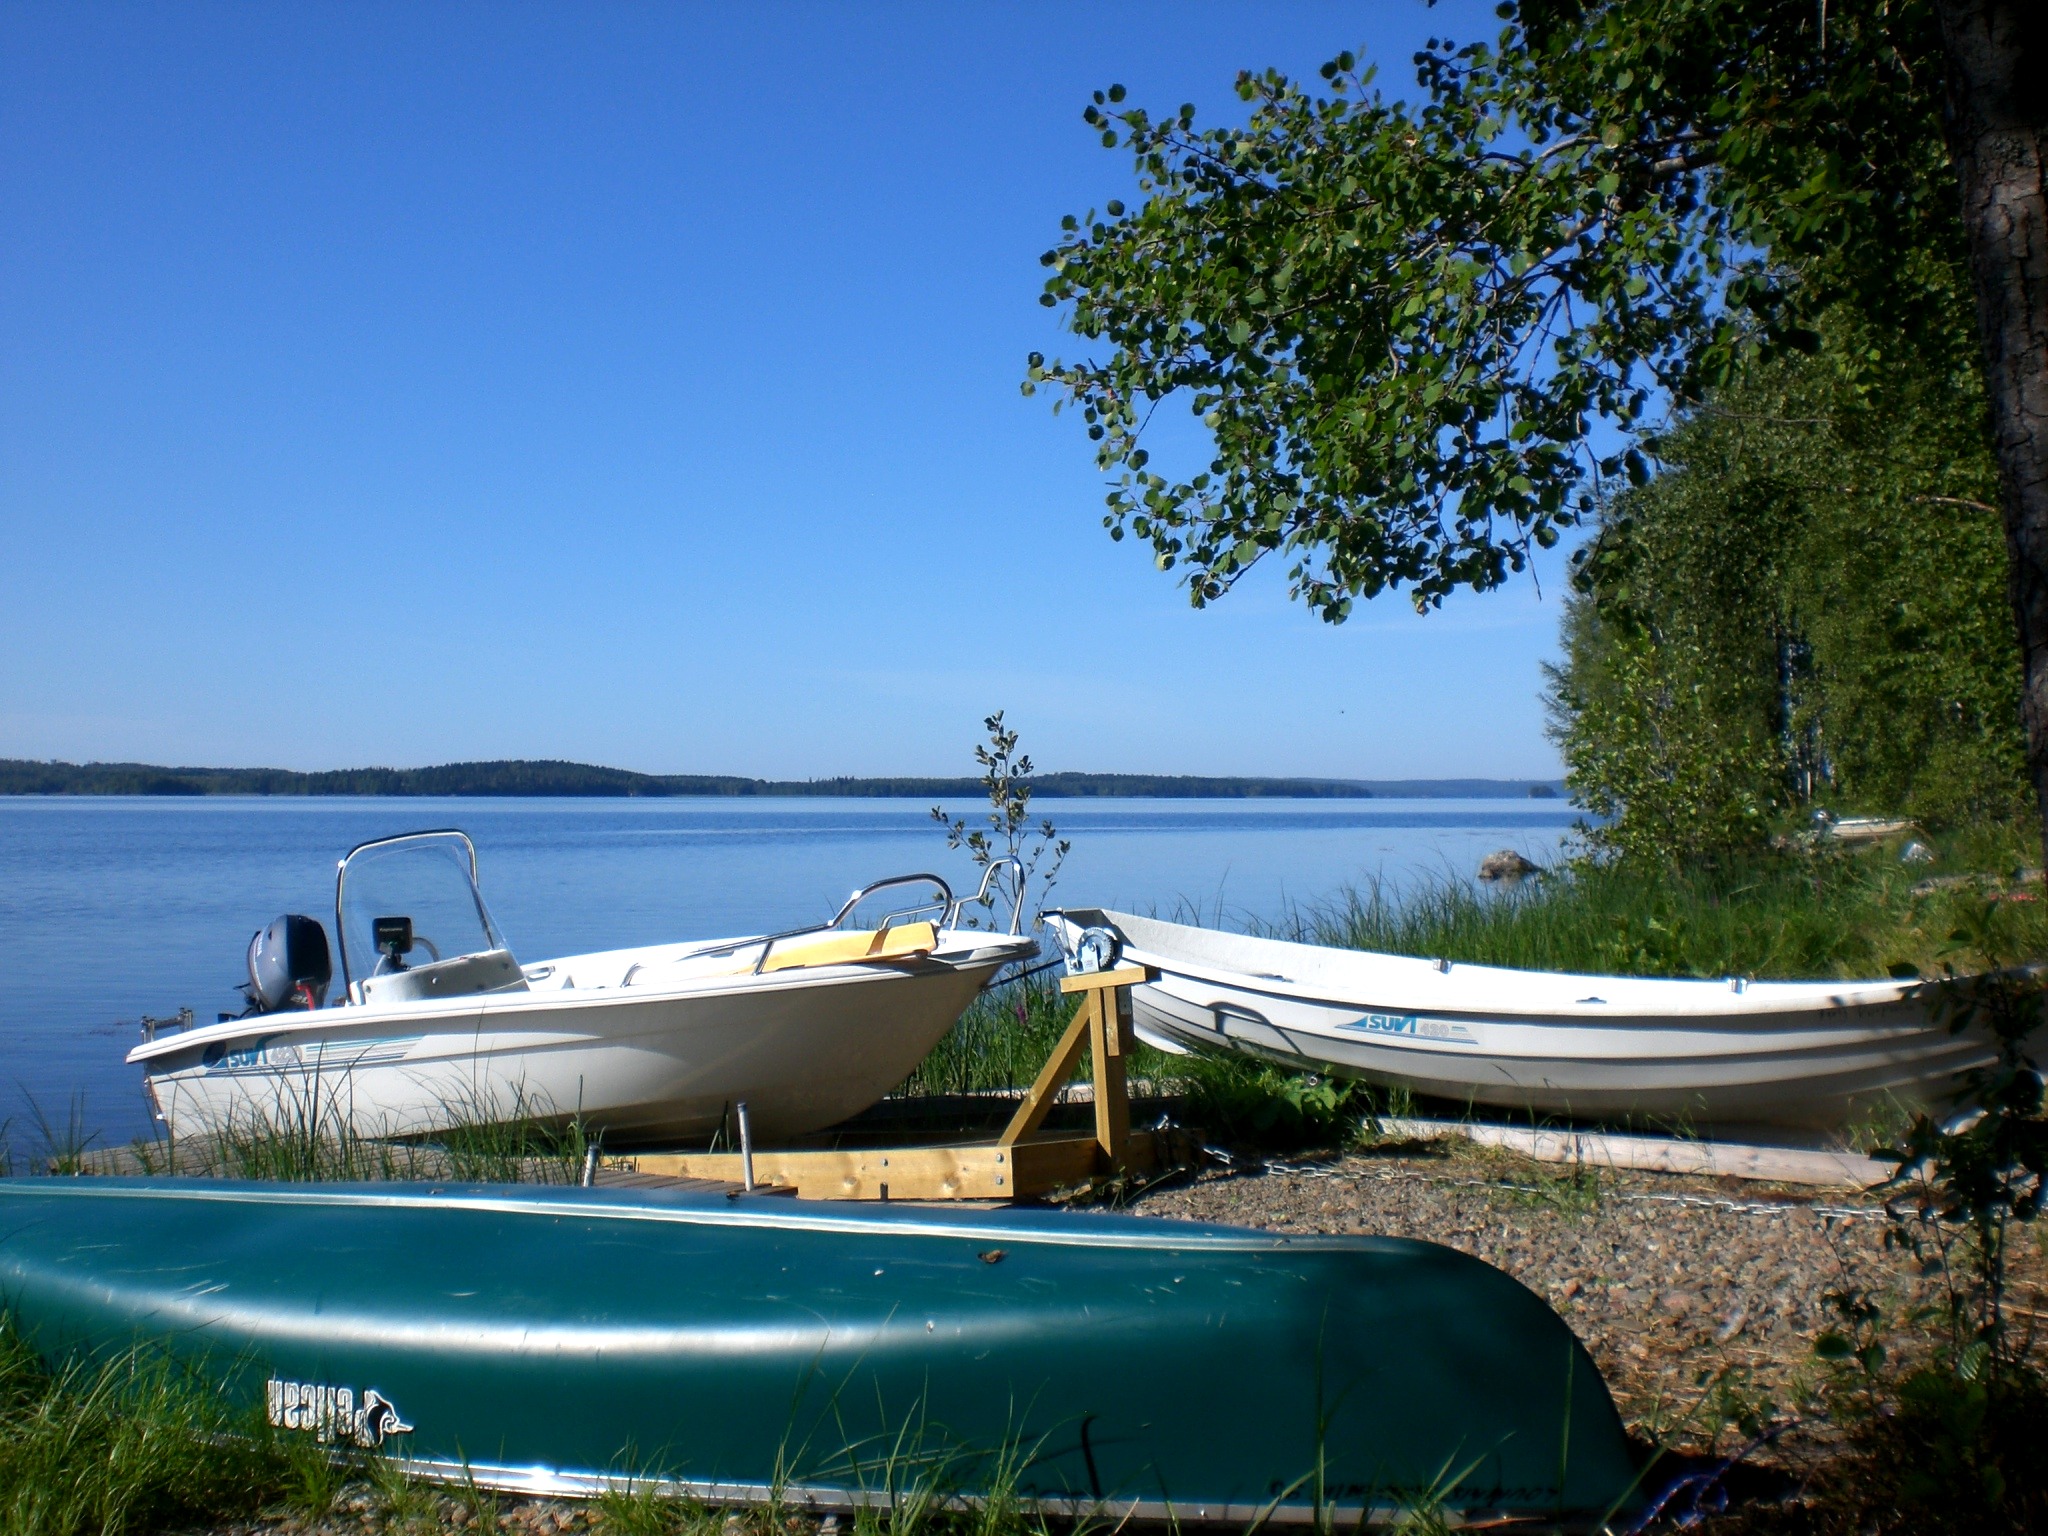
<point x="389" y="964"/>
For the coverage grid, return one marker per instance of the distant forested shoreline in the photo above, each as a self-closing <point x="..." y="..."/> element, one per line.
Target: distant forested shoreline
<point x="21" y="776"/>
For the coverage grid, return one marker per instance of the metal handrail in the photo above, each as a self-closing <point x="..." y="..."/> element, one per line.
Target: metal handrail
<point x="948" y="905"/>
<point x="946" y="902"/>
<point x="982" y="898"/>
<point x="768" y="941"/>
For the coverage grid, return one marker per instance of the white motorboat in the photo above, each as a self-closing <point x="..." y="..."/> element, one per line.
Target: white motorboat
<point x="1705" y="1053"/>
<point x="437" y="1025"/>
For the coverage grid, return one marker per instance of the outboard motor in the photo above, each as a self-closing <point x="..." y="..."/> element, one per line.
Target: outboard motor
<point x="289" y="966"/>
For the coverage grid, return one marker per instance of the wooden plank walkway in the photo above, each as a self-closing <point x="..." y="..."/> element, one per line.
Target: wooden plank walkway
<point x="1656" y="1154"/>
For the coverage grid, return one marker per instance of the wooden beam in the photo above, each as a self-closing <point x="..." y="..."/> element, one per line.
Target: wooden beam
<point x="1109" y="1038"/>
<point x="1095" y="981"/>
<point x="1019" y="1164"/>
<point x="1059" y="1066"/>
<point x="1101" y="1023"/>
<point x="982" y="1170"/>
<point x="1713" y="1159"/>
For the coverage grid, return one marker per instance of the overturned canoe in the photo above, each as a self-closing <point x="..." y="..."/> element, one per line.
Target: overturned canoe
<point x="1732" y="1052"/>
<point x="558" y="1340"/>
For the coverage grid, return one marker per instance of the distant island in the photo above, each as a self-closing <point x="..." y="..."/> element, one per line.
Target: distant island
<point x="22" y="776"/>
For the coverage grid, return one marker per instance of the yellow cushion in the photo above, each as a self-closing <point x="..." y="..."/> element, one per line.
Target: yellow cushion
<point x="861" y="944"/>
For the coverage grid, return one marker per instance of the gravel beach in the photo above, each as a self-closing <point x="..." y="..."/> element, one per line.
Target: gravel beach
<point x="1692" y="1295"/>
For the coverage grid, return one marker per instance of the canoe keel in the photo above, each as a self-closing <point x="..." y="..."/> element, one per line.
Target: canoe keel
<point x="751" y="1349"/>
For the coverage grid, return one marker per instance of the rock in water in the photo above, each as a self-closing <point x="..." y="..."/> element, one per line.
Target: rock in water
<point x="1506" y="865"/>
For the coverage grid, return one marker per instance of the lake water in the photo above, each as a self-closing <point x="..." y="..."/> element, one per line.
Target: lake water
<point x="112" y="908"/>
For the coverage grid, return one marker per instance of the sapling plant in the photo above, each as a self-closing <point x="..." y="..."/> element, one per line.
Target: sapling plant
<point x="1038" y="850"/>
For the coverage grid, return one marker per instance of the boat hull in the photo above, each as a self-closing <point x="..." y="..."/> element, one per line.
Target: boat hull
<point x="555" y="1341"/>
<point x="1728" y="1054"/>
<point x="802" y="1049"/>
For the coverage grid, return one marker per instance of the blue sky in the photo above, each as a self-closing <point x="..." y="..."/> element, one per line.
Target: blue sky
<point x="633" y="384"/>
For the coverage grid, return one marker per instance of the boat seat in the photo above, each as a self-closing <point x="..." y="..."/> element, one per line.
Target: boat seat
<point x="826" y="947"/>
<point x="494" y="970"/>
<point x="898" y="943"/>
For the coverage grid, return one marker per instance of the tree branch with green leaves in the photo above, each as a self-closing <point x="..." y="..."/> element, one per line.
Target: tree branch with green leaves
<point x="1399" y="324"/>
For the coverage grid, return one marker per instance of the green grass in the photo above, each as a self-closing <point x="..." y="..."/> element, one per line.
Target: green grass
<point x="1001" y="1041"/>
<point x="132" y="1444"/>
<point x="641" y="1508"/>
<point x="296" y="1144"/>
<point x="1007" y="1034"/>
<point x="1779" y="916"/>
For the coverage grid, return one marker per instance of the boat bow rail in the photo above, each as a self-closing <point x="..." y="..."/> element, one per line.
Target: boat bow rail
<point x="947" y="906"/>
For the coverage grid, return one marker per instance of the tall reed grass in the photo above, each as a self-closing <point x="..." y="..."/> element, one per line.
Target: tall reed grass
<point x="999" y="1043"/>
<point x="135" y="1443"/>
<point x="303" y="1138"/>
<point x="278" y="1146"/>
<point x="1008" y="1033"/>
<point x="1783" y="917"/>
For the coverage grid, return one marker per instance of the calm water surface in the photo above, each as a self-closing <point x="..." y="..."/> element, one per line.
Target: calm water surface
<point x="111" y="908"/>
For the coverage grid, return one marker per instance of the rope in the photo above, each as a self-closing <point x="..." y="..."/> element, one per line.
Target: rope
<point x="999" y="980"/>
<point x="1708" y="1497"/>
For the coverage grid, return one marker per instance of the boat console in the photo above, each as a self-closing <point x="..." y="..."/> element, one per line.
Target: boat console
<point x="396" y="897"/>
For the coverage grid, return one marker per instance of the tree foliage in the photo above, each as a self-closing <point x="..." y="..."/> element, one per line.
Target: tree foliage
<point x="1418" y="333"/>
<point x="1808" y="600"/>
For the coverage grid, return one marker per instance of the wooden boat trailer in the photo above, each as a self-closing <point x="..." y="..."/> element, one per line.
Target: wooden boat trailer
<point x="1022" y="1163"/>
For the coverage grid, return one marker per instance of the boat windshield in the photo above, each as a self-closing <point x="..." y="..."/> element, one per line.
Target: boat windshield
<point x="405" y="902"/>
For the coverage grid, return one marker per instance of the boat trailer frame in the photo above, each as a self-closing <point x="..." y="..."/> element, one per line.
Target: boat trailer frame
<point x="1022" y="1163"/>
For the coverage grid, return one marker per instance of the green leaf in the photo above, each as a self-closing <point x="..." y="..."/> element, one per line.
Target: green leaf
<point x="1833" y="1346"/>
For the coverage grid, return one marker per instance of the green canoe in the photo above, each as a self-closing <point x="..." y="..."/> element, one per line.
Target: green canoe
<point x="553" y="1340"/>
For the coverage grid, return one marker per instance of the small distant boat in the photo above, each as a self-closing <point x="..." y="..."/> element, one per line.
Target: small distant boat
<point x="1732" y="1052"/>
<point x="748" y="1348"/>
<point x="1858" y="830"/>
<point x="437" y="1024"/>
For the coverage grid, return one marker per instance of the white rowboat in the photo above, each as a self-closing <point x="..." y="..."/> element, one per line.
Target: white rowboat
<point x="1705" y="1053"/>
<point x="663" y="1041"/>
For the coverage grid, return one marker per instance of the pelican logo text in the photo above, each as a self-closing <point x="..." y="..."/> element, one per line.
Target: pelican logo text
<point x="333" y="1413"/>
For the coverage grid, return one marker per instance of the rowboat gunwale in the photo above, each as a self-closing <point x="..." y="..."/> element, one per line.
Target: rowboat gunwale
<point x="1458" y="985"/>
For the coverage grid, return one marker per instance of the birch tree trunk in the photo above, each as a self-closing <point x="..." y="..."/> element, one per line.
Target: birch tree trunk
<point x="1997" y="67"/>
